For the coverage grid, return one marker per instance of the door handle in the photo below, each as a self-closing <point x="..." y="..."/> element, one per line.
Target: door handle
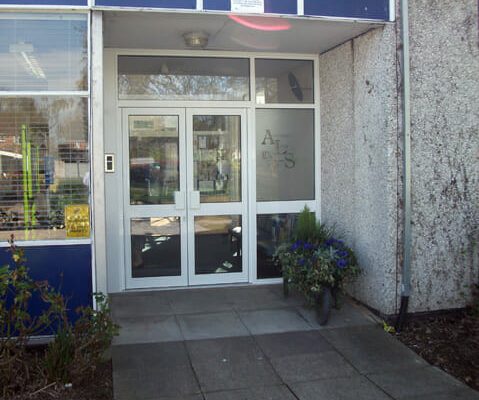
<point x="195" y="200"/>
<point x="180" y="200"/>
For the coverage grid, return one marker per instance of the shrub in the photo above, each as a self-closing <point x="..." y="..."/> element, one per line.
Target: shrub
<point x="77" y="348"/>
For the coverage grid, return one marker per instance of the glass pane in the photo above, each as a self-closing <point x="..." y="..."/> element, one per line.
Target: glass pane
<point x="43" y="52"/>
<point x="284" y="81"/>
<point x="284" y="154"/>
<point x="44" y="165"/>
<point x="218" y="244"/>
<point x="272" y="231"/>
<point x="155" y="247"/>
<point x="217" y="157"/>
<point x="154" y="158"/>
<point x="183" y="78"/>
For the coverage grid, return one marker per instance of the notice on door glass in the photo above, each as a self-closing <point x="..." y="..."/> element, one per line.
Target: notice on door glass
<point x="248" y="6"/>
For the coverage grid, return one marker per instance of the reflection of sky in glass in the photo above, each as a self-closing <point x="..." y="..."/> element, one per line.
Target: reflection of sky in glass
<point x="43" y="52"/>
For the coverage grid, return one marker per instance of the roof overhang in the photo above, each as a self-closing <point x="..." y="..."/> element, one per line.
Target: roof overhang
<point x="229" y="32"/>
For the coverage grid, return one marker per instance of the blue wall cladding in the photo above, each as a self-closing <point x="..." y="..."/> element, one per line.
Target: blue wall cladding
<point x="67" y="268"/>
<point x="367" y="9"/>
<point x="270" y="6"/>
<point x="46" y="2"/>
<point x="175" y="4"/>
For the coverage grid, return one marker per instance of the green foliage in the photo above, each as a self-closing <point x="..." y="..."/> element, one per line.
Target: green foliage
<point x="309" y="230"/>
<point x="316" y="259"/>
<point x="77" y="348"/>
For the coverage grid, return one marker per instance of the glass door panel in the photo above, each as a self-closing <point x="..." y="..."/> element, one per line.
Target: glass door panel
<point x="153" y="155"/>
<point x="217" y="193"/>
<point x="154" y="207"/>
<point x="217" y="157"/>
<point x="218" y="244"/>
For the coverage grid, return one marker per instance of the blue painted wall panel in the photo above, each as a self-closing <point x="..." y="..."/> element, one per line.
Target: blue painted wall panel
<point x="67" y="268"/>
<point x="46" y="2"/>
<point x="217" y="5"/>
<point x="370" y="9"/>
<point x="176" y="4"/>
<point x="270" y="6"/>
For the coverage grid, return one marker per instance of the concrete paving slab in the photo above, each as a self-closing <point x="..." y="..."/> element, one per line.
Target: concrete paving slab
<point x="194" y="301"/>
<point x="426" y="381"/>
<point x="273" y="321"/>
<point x="225" y="349"/>
<point x="348" y="315"/>
<point x="372" y="350"/>
<point x="210" y="326"/>
<point x="145" y="357"/>
<point x="232" y="374"/>
<point x="353" y="388"/>
<point x="463" y="394"/>
<point x="292" y="343"/>
<point x="140" y="305"/>
<point x="310" y="367"/>
<point x="262" y="393"/>
<point x="148" y="330"/>
<point x="262" y="298"/>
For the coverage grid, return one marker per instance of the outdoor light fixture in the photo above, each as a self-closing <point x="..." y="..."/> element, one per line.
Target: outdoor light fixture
<point x="25" y="52"/>
<point x="196" y="40"/>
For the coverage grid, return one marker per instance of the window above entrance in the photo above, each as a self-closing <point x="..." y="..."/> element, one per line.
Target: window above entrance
<point x="183" y="78"/>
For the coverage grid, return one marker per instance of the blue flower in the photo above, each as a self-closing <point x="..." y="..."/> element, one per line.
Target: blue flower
<point x="308" y="246"/>
<point x="296" y="245"/>
<point x="343" y="253"/>
<point x="301" y="261"/>
<point x="341" y="263"/>
<point x="330" y="242"/>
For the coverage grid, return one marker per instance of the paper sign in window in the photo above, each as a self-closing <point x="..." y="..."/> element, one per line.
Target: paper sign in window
<point x="77" y="221"/>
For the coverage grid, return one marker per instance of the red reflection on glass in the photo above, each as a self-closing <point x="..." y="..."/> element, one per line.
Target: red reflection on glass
<point x="262" y="24"/>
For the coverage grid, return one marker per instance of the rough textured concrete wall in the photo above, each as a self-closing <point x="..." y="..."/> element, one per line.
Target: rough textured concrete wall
<point x="445" y="150"/>
<point x="359" y="158"/>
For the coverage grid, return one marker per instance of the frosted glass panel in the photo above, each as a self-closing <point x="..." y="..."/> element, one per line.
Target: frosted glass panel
<point x="284" y="154"/>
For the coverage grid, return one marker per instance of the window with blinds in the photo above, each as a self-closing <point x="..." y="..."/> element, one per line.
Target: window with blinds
<point x="44" y="149"/>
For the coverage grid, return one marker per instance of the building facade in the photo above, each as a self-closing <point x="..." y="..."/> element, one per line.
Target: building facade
<point x="153" y="144"/>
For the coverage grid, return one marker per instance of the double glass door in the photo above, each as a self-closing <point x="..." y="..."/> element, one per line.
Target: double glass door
<point x="184" y="197"/>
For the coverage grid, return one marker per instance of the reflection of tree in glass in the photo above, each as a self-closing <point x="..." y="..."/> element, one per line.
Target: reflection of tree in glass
<point x="201" y="87"/>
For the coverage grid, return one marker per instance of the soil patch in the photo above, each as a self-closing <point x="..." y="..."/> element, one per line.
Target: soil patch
<point x="100" y="388"/>
<point x="450" y="342"/>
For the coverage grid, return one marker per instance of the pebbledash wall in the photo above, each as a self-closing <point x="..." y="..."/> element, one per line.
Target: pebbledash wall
<point x="361" y="140"/>
<point x="361" y="160"/>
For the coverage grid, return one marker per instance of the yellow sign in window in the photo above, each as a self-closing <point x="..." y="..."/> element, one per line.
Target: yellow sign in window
<point x="77" y="221"/>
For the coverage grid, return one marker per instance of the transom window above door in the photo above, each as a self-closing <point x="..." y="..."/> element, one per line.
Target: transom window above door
<point x="183" y="78"/>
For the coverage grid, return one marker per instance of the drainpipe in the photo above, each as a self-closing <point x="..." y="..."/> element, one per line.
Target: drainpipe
<point x="406" y="111"/>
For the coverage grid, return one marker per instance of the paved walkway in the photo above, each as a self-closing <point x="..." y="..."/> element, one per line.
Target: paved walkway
<point x="249" y="343"/>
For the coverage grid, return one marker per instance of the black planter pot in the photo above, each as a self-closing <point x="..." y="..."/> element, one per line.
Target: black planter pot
<point x="324" y="302"/>
<point x="285" y="287"/>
